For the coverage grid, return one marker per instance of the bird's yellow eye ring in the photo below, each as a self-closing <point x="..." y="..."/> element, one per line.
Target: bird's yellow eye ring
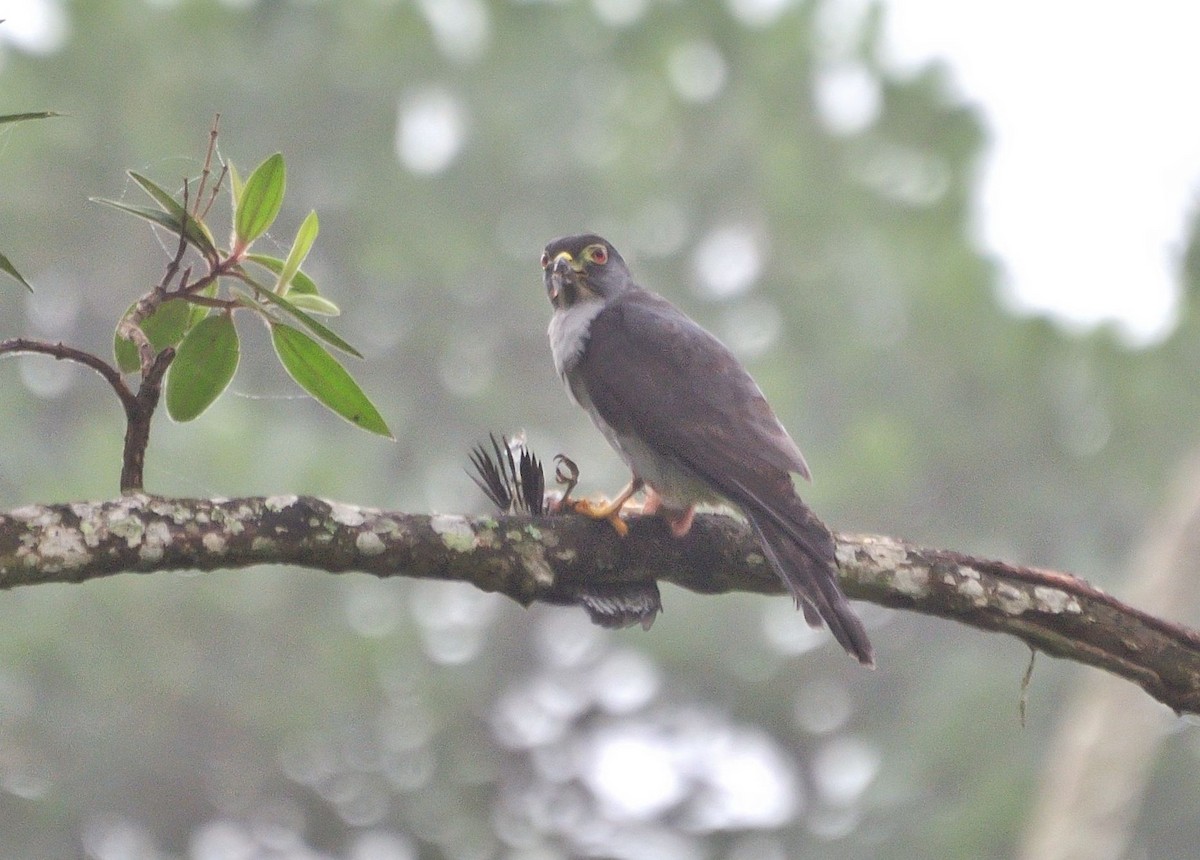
<point x="599" y="254"/>
<point x="545" y="260"/>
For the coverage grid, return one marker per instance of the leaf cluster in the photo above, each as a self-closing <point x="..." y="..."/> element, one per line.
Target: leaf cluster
<point x="195" y="316"/>
<point x="180" y="338"/>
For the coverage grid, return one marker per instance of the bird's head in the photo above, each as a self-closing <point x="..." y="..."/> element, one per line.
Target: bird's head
<point x="583" y="268"/>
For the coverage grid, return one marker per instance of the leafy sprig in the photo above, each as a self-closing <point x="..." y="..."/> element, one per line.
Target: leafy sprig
<point x="194" y="313"/>
<point x="180" y="338"/>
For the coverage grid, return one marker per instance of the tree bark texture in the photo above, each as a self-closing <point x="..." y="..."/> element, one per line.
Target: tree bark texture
<point x="555" y="559"/>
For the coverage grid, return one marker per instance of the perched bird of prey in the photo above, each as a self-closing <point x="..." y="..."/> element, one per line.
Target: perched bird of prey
<point x="688" y="420"/>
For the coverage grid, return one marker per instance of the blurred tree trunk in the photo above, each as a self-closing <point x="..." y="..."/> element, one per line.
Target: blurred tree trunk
<point x="1101" y="759"/>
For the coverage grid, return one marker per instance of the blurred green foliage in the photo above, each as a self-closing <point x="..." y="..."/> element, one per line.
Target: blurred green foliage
<point x="444" y="144"/>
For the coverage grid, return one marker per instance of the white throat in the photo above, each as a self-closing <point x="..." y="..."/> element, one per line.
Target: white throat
<point x="569" y="333"/>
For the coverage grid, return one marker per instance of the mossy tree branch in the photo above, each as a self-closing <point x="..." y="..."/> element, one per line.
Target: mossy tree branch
<point x="555" y="559"/>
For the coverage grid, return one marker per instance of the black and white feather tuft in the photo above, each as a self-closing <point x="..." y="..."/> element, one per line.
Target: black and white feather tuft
<point x="510" y="476"/>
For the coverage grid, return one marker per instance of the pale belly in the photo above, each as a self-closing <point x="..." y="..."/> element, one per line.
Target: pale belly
<point x="678" y="486"/>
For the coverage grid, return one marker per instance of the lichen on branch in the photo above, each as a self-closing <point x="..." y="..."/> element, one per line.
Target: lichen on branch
<point x="564" y="559"/>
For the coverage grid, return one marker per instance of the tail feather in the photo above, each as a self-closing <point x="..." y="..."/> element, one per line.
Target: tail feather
<point x="801" y="550"/>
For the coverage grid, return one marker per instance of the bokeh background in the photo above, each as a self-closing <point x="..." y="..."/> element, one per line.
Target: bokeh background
<point x="762" y="164"/>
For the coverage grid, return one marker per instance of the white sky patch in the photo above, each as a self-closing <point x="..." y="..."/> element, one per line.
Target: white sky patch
<point x="726" y="777"/>
<point x="758" y="13"/>
<point x="750" y="783"/>
<point x="382" y="845"/>
<point x="785" y="631"/>
<point x="36" y="26"/>
<point x="619" y="13"/>
<point x="751" y="327"/>
<point x="430" y="131"/>
<point x="848" y="97"/>
<point x="1095" y="156"/>
<point x="844" y="768"/>
<point x="634" y="773"/>
<point x="697" y="71"/>
<point x="625" y="682"/>
<point x="728" y="261"/>
<point x="460" y="27"/>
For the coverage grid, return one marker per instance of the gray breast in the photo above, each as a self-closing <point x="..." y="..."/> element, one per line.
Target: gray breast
<point x="679" y="487"/>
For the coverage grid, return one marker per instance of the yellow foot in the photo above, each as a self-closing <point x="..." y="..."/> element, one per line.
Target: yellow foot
<point x="610" y="510"/>
<point x="601" y="511"/>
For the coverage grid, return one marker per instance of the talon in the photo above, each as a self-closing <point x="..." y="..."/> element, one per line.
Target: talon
<point x="567" y="474"/>
<point x="611" y="510"/>
<point x="602" y="511"/>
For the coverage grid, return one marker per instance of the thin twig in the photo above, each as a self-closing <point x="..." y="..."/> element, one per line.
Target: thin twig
<point x="130" y="325"/>
<point x="216" y="189"/>
<point x="204" y="173"/>
<point x="209" y="302"/>
<point x="62" y="352"/>
<point x="181" y="248"/>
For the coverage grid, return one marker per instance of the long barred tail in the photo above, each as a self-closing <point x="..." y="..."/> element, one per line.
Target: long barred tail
<point x="801" y="550"/>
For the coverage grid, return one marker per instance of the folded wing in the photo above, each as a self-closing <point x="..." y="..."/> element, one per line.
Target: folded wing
<point x="651" y="372"/>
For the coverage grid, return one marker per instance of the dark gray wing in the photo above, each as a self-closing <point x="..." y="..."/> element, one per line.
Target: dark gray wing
<point x="652" y="372"/>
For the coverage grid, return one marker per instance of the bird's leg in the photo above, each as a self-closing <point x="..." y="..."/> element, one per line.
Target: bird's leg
<point x="610" y="510"/>
<point x="679" y="521"/>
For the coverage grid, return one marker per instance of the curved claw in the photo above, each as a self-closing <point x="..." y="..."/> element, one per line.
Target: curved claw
<point x="567" y="474"/>
<point x="609" y="510"/>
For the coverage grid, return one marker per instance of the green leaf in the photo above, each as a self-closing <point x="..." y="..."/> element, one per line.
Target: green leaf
<point x="194" y="234"/>
<point x="315" y="304"/>
<point x="203" y="366"/>
<point x="22" y="117"/>
<point x="11" y="270"/>
<point x="165" y="327"/>
<point x="301" y="245"/>
<point x="260" y="200"/>
<point x="319" y="329"/>
<point x="126" y="354"/>
<point x="301" y="283"/>
<point x="198" y="233"/>
<point x="320" y="374"/>
<point x="235" y="183"/>
<point x="199" y="312"/>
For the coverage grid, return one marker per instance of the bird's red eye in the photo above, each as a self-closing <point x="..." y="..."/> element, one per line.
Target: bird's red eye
<point x="600" y="255"/>
<point x="545" y="260"/>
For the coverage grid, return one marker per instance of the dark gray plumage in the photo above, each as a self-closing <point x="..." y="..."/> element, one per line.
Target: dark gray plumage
<point x="688" y="420"/>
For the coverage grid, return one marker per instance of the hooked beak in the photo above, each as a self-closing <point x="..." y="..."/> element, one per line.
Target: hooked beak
<point x="563" y="272"/>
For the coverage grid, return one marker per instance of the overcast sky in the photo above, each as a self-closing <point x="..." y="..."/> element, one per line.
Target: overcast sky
<point x="1094" y="110"/>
